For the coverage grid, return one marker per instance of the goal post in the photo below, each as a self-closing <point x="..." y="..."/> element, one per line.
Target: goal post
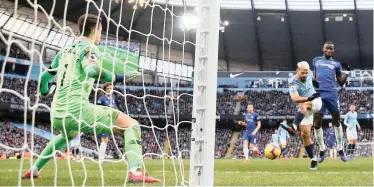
<point x="204" y="95"/>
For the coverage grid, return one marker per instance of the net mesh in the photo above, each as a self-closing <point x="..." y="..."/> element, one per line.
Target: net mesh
<point x="168" y="142"/>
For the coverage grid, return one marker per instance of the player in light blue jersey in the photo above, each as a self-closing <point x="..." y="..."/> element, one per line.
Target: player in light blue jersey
<point x="308" y="101"/>
<point x="252" y="125"/>
<point x="283" y="136"/>
<point x="275" y="137"/>
<point x="328" y="73"/>
<point x="352" y="124"/>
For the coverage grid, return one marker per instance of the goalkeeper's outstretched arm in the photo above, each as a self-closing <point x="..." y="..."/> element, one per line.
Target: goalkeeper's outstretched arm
<point x="93" y="70"/>
<point x="48" y="75"/>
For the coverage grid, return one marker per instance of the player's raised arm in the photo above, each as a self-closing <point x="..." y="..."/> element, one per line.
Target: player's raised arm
<point x="48" y="75"/>
<point x="341" y="78"/>
<point x="313" y="70"/>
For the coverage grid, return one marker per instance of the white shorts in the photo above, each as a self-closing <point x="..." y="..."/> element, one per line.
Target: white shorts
<point x="352" y="135"/>
<point x="283" y="141"/>
<point x="308" y="119"/>
<point x="316" y="106"/>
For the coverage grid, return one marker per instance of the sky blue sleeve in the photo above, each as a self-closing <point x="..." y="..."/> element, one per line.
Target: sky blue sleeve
<point x="346" y="119"/>
<point x="292" y="88"/>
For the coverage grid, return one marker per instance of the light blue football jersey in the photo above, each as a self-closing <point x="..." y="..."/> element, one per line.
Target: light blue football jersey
<point x="351" y="119"/>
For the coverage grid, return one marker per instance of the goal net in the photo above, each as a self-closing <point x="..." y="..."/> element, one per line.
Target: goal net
<point x="152" y="43"/>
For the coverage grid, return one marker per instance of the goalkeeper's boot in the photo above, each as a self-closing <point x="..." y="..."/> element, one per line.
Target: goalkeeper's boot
<point x="321" y="157"/>
<point x="27" y="175"/>
<point x="342" y="156"/>
<point x="142" y="178"/>
<point x="291" y="129"/>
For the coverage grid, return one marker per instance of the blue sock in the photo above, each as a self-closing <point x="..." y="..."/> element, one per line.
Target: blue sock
<point x="309" y="150"/>
<point x="298" y="118"/>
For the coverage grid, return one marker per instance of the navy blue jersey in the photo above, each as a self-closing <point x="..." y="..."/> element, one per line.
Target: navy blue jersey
<point x="326" y="71"/>
<point x="251" y="121"/>
<point x="330" y="135"/>
<point x="103" y="100"/>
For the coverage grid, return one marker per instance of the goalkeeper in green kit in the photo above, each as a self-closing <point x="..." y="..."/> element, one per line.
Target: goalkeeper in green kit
<point x="77" y="68"/>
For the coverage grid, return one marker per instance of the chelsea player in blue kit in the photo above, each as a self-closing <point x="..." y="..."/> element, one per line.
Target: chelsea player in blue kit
<point x="308" y="101"/>
<point x="328" y="72"/>
<point x="107" y="100"/>
<point x="252" y="124"/>
<point x="352" y="124"/>
<point x="331" y="141"/>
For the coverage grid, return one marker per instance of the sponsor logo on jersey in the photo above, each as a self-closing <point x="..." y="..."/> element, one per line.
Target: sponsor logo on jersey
<point x="325" y="65"/>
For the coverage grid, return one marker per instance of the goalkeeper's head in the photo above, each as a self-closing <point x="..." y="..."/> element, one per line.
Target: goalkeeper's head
<point x="90" y="27"/>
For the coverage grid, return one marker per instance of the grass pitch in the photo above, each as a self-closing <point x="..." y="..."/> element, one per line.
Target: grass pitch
<point x="259" y="172"/>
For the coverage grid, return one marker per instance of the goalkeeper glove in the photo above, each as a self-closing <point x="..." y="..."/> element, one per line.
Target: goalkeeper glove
<point x="127" y="77"/>
<point x="49" y="92"/>
<point x="132" y="75"/>
<point x="315" y="95"/>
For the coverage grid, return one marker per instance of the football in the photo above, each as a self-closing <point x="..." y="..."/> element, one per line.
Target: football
<point x="272" y="151"/>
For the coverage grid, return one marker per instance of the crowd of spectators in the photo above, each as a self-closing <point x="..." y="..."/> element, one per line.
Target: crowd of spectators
<point x="266" y="103"/>
<point x="14" y="51"/>
<point x="14" y="137"/>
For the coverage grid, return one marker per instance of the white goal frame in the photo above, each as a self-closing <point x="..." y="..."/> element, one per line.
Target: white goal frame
<point x="204" y="94"/>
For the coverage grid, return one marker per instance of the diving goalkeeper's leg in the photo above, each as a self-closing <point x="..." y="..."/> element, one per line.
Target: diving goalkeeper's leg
<point x="58" y="143"/>
<point x="133" y="148"/>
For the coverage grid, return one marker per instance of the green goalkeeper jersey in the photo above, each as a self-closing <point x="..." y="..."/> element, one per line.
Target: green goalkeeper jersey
<point x="77" y="68"/>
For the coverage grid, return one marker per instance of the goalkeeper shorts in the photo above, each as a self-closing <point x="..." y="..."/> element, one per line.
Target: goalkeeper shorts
<point x="94" y="118"/>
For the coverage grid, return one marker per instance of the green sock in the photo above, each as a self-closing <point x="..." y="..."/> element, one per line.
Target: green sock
<point x="133" y="146"/>
<point x="59" y="142"/>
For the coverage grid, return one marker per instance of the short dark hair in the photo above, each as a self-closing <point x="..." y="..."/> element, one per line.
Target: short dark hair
<point x="105" y="86"/>
<point x="87" y="26"/>
<point x="328" y="42"/>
